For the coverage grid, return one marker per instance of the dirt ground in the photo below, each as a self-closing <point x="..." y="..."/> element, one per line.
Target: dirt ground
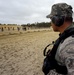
<point x="22" y="54"/>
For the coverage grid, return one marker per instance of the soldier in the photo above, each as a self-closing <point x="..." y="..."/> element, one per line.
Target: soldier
<point x="62" y="20"/>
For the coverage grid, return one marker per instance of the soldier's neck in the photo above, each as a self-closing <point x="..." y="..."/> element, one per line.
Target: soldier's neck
<point x="64" y="27"/>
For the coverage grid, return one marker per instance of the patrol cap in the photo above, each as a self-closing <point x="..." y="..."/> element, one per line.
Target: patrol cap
<point x="62" y="9"/>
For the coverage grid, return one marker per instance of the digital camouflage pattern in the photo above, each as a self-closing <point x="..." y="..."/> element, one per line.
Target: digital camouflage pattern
<point x="62" y="9"/>
<point x="65" y="51"/>
<point x="65" y="55"/>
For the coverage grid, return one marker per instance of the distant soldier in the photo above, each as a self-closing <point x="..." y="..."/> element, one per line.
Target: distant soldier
<point x="8" y="28"/>
<point x="62" y="21"/>
<point x="24" y="29"/>
<point x="2" y="29"/>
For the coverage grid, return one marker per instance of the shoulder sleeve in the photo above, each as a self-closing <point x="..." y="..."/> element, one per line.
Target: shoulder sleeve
<point x="67" y="54"/>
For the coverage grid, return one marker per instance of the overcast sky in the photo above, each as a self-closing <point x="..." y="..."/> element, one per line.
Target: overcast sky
<point x="26" y="11"/>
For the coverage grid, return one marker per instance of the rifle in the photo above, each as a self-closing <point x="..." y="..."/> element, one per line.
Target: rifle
<point x="50" y="62"/>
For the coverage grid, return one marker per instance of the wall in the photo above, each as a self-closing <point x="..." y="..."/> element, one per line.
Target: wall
<point x="11" y="29"/>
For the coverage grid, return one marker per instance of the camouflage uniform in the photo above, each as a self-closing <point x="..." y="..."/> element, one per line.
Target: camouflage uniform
<point x="65" y="51"/>
<point x="61" y="9"/>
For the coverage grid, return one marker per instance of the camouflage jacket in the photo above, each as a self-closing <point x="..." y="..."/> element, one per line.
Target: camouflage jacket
<point x="65" y="55"/>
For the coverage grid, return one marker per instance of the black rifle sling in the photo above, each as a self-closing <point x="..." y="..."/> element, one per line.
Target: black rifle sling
<point x="62" y="37"/>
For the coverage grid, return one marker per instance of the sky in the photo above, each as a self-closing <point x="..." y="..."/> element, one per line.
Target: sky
<point x="27" y="11"/>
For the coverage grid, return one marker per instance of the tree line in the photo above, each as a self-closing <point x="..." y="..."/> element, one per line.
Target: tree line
<point x="38" y="25"/>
